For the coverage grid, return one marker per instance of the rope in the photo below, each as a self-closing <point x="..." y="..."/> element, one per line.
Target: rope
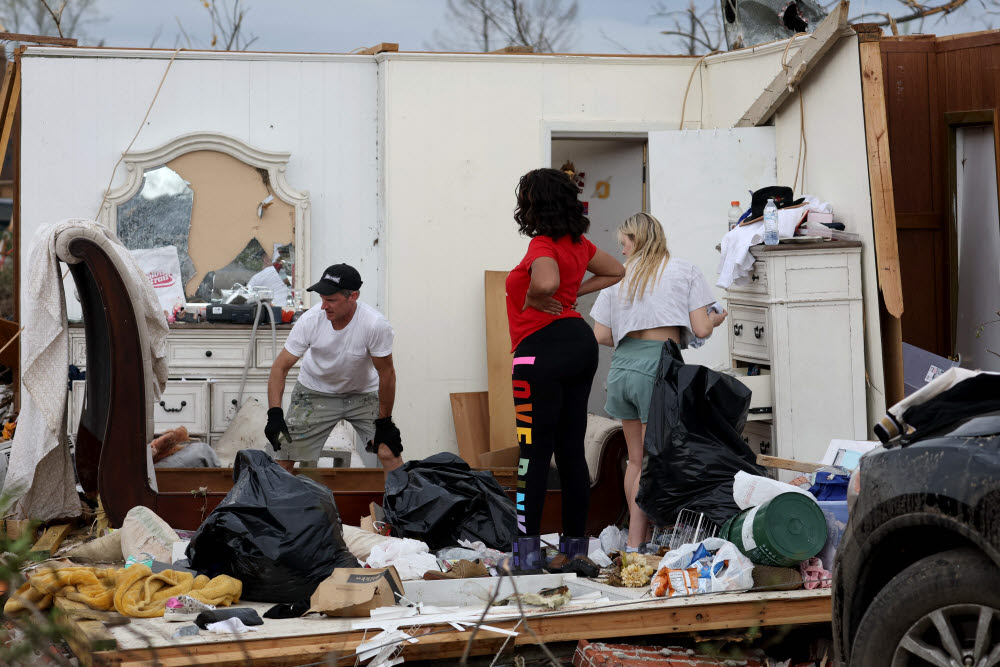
<point x="688" y="89"/>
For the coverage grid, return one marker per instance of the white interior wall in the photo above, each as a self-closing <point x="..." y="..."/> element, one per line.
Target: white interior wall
<point x="427" y="149"/>
<point x="617" y="162"/>
<point x="836" y="162"/>
<point x="80" y="109"/>
<point x="459" y="132"/>
<point x="978" y="248"/>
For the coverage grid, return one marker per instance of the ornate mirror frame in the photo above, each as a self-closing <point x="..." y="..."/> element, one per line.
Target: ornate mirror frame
<point x="136" y="164"/>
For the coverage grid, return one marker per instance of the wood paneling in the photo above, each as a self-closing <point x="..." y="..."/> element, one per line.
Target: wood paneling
<point x="926" y="78"/>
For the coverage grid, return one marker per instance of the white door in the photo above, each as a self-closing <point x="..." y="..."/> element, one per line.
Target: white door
<point x="693" y="177"/>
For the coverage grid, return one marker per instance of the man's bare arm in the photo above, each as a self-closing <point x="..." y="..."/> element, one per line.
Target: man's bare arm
<point x="276" y="380"/>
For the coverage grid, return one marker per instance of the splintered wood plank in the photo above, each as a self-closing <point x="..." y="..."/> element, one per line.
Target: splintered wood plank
<point x="471" y="414"/>
<point x="499" y="362"/>
<point x="437" y="642"/>
<point x="880" y="175"/>
<point x="86" y="635"/>
<point x="810" y="53"/>
<point x="787" y="464"/>
<point x="51" y="539"/>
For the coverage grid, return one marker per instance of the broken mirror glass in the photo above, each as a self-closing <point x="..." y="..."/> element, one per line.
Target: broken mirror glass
<point x="159" y="215"/>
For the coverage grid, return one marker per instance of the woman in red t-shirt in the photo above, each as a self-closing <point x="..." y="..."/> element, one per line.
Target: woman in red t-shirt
<point x="555" y="355"/>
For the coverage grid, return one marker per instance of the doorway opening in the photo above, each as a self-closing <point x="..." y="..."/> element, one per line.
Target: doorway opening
<point x="611" y="176"/>
<point x="975" y="232"/>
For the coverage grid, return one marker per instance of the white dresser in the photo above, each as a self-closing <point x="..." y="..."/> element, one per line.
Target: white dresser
<point x="206" y="365"/>
<point x="799" y="321"/>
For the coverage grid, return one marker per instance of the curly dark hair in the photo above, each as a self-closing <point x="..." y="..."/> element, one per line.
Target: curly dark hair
<point x="547" y="205"/>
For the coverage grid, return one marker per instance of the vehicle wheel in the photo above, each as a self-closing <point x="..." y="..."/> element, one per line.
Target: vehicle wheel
<point x="943" y="610"/>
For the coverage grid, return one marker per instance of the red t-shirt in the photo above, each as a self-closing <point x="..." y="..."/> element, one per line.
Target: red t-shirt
<point x="572" y="259"/>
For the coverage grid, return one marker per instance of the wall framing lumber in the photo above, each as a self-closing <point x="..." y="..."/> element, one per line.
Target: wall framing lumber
<point x="883" y="208"/>
<point x="37" y="39"/>
<point x="381" y="47"/>
<point x="818" y="43"/>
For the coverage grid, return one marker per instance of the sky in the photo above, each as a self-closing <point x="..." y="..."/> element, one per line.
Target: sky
<point x="340" y="26"/>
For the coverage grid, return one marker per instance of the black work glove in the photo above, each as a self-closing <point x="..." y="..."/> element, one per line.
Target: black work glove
<point x="275" y="427"/>
<point x="386" y="434"/>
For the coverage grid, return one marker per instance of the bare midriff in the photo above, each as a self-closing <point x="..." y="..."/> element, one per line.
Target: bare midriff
<point x="657" y="333"/>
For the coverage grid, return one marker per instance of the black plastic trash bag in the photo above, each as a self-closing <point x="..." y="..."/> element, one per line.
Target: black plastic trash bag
<point x="278" y="533"/>
<point x="694" y="443"/>
<point x="440" y="500"/>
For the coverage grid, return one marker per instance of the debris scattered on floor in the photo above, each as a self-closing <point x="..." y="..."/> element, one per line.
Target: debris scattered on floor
<point x="551" y="598"/>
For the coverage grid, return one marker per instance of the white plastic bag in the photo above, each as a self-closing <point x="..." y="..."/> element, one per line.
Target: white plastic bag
<point x="410" y="558"/>
<point x="753" y="490"/>
<point x="613" y="539"/>
<point x="163" y="268"/>
<point x="737" y="576"/>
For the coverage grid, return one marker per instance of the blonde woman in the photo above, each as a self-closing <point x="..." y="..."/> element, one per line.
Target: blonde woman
<point x="661" y="298"/>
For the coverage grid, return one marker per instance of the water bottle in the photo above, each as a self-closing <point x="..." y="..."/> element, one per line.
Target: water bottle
<point x="770" y="223"/>
<point x="734" y="214"/>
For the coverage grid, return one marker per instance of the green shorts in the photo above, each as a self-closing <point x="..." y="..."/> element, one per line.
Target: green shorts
<point x="313" y="414"/>
<point x="630" y="380"/>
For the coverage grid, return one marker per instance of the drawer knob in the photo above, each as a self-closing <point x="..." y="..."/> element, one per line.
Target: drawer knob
<point x="163" y="404"/>
<point x="765" y="447"/>
<point x="758" y="332"/>
<point x="755" y="277"/>
<point x="208" y="353"/>
<point x="737" y="329"/>
<point x="234" y="401"/>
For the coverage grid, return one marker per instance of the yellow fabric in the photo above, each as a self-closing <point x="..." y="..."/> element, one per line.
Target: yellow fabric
<point x="133" y="591"/>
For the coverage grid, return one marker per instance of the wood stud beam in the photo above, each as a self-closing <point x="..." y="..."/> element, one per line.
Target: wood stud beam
<point x="818" y="43"/>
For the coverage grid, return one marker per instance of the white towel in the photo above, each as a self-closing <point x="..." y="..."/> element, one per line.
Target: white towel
<point x="40" y="476"/>
<point x="736" y="260"/>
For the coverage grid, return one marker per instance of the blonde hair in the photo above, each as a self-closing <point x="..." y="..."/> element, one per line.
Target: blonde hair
<point x="649" y="254"/>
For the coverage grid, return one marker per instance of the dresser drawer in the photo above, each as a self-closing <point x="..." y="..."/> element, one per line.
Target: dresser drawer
<point x="761" y="403"/>
<point x="758" y="280"/>
<point x="226" y="393"/>
<point x="183" y="403"/>
<point x="758" y="435"/>
<point x="206" y="353"/>
<point x="263" y="353"/>
<point x="748" y="332"/>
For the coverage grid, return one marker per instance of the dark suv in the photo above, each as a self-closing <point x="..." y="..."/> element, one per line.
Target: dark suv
<point x="917" y="577"/>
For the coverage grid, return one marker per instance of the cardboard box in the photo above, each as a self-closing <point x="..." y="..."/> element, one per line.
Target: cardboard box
<point x="355" y="591"/>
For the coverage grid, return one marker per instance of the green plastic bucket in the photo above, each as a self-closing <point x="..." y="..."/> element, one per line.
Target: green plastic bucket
<point x="783" y="532"/>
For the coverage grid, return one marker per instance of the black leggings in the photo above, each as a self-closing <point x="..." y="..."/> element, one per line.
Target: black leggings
<point x="553" y="371"/>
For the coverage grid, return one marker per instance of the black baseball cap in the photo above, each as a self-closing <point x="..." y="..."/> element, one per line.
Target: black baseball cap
<point x="336" y="278"/>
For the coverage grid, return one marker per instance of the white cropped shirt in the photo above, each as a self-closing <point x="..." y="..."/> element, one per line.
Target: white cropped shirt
<point x="679" y="289"/>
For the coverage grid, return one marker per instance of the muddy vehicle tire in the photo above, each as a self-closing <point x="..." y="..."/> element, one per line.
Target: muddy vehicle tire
<point x="942" y="610"/>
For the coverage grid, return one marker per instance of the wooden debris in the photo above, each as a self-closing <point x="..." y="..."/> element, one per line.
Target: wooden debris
<point x="810" y="53"/>
<point x="51" y="539"/>
<point x="787" y="464"/>
<point x="471" y="414"/>
<point x="381" y="47"/>
<point x="86" y="635"/>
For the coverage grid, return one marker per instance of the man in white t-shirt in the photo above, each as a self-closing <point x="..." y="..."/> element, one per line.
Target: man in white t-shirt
<point x="347" y="373"/>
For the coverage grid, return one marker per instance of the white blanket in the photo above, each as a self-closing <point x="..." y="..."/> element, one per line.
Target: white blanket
<point x="40" y="477"/>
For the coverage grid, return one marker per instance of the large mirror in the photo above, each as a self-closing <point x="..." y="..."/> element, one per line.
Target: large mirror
<point x="209" y="212"/>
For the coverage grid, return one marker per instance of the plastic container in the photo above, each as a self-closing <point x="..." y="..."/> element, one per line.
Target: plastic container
<point x="783" y="532"/>
<point x="835" y="513"/>
<point x="735" y="212"/>
<point x="770" y="223"/>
